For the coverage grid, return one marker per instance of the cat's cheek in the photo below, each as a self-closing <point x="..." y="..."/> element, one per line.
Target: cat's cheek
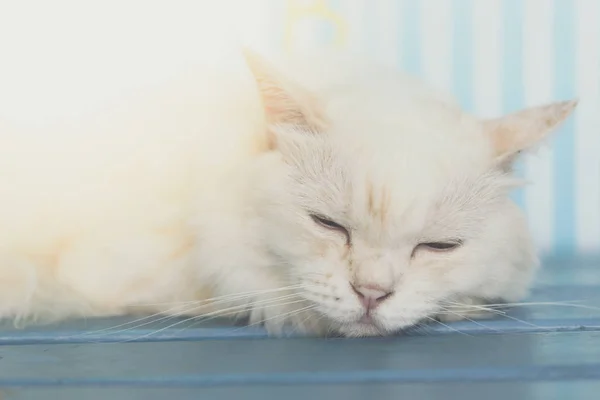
<point x="326" y="248"/>
<point x="330" y="293"/>
<point x="447" y="274"/>
<point x="292" y="238"/>
<point x="325" y="284"/>
<point x="323" y="257"/>
<point x="405" y="313"/>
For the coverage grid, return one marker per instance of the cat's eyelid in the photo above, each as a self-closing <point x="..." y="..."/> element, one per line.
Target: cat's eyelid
<point x="440" y="246"/>
<point x="453" y="240"/>
<point x="328" y="223"/>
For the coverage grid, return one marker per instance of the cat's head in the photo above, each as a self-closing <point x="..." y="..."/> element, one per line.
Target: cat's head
<point x="389" y="204"/>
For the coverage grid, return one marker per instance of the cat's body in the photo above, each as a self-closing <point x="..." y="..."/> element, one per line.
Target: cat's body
<point x="356" y="202"/>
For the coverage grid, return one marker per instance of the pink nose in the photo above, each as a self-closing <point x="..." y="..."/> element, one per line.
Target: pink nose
<point x="371" y="296"/>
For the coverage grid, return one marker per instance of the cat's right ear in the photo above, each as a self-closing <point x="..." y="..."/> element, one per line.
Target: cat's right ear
<point x="523" y="130"/>
<point x="284" y="102"/>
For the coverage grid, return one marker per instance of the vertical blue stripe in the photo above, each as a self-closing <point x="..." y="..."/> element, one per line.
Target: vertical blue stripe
<point x="410" y="39"/>
<point x="462" y="46"/>
<point x="564" y="145"/>
<point x="513" y="96"/>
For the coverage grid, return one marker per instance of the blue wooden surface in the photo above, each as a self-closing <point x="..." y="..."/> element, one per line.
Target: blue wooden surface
<point x="548" y="350"/>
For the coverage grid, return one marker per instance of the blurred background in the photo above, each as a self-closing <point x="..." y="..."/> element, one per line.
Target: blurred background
<point x="495" y="56"/>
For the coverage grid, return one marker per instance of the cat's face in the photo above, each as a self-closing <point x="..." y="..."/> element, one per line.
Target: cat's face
<point x="391" y="208"/>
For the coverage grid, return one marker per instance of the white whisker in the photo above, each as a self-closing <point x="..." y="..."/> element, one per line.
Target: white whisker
<point x="469" y="319"/>
<point x="505" y="315"/>
<point x="111" y="331"/>
<point x="220" y="313"/>
<point x="447" y="326"/>
<point x="199" y="319"/>
<point x="550" y="303"/>
<point x="225" y="297"/>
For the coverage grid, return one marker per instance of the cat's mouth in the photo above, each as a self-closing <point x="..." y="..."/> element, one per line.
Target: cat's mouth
<point x="366" y="319"/>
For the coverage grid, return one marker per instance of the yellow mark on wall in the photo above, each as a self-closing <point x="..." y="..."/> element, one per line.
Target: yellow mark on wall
<point x="299" y="9"/>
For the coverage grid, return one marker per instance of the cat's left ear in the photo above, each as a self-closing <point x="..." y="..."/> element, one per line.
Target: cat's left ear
<point x="522" y="130"/>
<point x="284" y="101"/>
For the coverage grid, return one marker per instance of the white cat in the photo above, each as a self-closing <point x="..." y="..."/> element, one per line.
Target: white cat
<point x="339" y="198"/>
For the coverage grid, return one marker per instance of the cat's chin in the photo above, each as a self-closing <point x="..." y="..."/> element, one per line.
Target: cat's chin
<point x="361" y="329"/>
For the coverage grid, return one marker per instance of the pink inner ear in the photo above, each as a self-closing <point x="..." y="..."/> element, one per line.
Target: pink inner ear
<point x="284" y="101"/>
<point x="289" y="104"/>
<point x="521" y="130"/>
<point x="507" y="136"/>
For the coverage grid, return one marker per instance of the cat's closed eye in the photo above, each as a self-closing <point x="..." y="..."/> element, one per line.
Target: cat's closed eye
<point x="439" y="246"/>
<point x="331" y="225"/>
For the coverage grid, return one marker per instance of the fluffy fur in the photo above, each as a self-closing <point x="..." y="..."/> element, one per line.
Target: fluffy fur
<point x="180" y="202"/>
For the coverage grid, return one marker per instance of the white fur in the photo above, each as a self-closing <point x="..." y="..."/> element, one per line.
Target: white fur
<point x="171" y="196"/>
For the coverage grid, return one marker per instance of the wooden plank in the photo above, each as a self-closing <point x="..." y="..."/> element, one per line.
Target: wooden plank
<point x="444" y="358"/>
<point x="581" y="390"/>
